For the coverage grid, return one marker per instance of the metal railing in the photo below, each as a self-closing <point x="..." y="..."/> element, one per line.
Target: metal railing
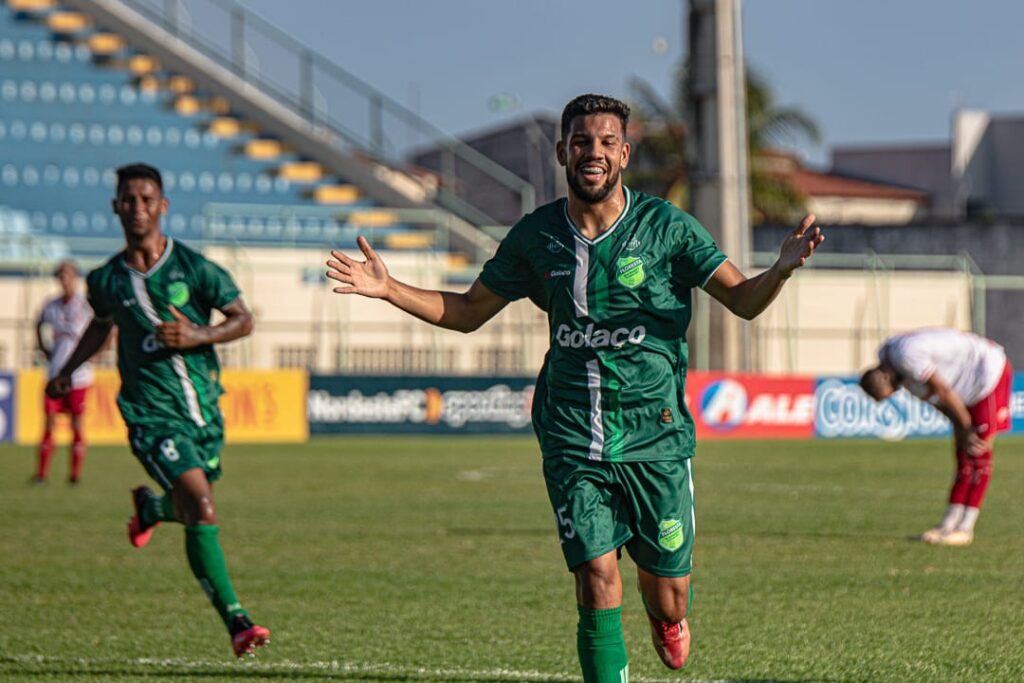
<point x="326" y="95"/>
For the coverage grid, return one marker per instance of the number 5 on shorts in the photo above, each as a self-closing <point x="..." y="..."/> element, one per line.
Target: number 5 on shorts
<point x="570" y="530"/>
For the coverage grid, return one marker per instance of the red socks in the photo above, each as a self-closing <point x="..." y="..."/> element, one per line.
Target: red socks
<point x="45" y="453"/>
<point x="972" y="478"/>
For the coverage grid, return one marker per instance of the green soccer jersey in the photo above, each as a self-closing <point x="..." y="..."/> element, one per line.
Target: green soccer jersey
<point x="161" y="387"/>
<point x="618" y="306"/>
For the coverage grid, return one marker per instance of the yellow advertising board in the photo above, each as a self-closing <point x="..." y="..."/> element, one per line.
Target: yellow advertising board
<point x="102" y="419"/>
<point x="265" y="406"/>
<point x="259" y="406"/>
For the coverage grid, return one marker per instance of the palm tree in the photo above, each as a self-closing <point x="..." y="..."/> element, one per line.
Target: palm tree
<point x="660" y="133"/>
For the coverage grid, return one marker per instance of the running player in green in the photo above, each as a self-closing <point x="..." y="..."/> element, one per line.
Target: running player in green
<point x="160" y="295"/>
<point x="614" y="270"/>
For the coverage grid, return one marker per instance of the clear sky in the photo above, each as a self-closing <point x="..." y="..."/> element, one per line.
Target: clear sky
<point x="868" y="71"/>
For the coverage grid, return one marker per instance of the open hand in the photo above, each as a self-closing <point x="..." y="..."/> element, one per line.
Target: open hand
<point x="369" y="278"/>
<point x="799" y="245"/>
<point x="180" y="333"/>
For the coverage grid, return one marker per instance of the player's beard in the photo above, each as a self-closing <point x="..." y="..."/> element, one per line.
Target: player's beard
<point x="592" y="195"/>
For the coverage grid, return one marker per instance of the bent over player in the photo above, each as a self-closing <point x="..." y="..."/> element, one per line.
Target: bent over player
<point x="613" y="269"/>
<point x="968" y="379"/>
<point x="160" y="294"/>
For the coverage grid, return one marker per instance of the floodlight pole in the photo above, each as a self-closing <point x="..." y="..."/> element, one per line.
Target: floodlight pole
<point x="718" y="158"/>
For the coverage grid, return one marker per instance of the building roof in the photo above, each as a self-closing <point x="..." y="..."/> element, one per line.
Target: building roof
<point x="812" y="183"/>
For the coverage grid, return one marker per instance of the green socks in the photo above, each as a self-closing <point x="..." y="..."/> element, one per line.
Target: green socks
<point x="157" y="509"/>
<point x="206" y="559"/>
<point x="601" y="646"/>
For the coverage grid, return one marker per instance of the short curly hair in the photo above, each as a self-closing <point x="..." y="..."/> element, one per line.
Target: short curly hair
<point x="590" y="103"/>
<point x="140" y="171"/>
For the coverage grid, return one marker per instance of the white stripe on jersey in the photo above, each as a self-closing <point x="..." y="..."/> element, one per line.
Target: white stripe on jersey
<point x="693" y="509"/>
<point x="580" y="279"/>
<point x="177" y="362"/>
<point x="596" y="418"/>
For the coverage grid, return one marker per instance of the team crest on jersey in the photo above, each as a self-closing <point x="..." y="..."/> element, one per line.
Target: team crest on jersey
<point x="554" y="247"/>
<point x="670" y="534"/>
<point x="630" y="271"/>
<point x="177" y="294"/>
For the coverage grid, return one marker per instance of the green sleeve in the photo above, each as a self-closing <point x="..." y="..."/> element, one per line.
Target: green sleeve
<point x="97" y="298"/>
<point x="696" y="256"/>
<point x="507" y="273"/>
<point x="216" y="287"/>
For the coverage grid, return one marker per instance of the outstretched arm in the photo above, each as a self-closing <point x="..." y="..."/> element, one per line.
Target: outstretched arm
<point x="748" y="297"/>
<point x="461" y="312"/>
<point x="93" y="339"/>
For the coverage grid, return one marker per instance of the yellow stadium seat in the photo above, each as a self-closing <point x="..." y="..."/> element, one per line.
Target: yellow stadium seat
<point x="181" y="85"/>
<point x="225" y="127"/>
<point x="409" y="240"/>
<point x="186" y="105"/>
<point x="149" y="83"/>
<point x="264" y="149"/>
<point x="67" y="22"/>
<point x="377" y="218"/>
<point x="31" y="5"/>
<point x="105" y="43"/>
<point x="301" y="171"/>
<point x="143" y="64"/>
<point x="336" y="194"/>
<point x="457" y="261"/>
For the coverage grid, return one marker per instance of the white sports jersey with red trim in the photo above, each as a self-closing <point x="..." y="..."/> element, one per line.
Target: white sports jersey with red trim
<point x="969" y="364"/>
<point x="68" y="321"/>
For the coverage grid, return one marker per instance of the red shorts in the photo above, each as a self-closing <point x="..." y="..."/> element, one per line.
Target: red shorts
<point x="991" y="414"/>
<point x="73" y="403"/>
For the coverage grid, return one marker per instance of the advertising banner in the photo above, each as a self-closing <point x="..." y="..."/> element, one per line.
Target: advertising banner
<point x="102" y="420"/>
<point x="6" y="407"/>
<point x="751" y="406"/>
<point x="843" y="410"/>
<point x="419" y="405"/>
<point x="1017" y="403"/>
<point x="265" y="406"/>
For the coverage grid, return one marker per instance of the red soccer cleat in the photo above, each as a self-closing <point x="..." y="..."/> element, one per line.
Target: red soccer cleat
<point x="247" y="636"/>
<point x="139" y="535"/>
<point x="671" y="641"/>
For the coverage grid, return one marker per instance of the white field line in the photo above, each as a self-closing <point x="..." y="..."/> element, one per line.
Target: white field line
<point x="334" y="666"/>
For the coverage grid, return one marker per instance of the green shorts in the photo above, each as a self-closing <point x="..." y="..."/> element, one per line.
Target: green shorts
<point x="645" y="506"/>
<point x="169" y="452"/>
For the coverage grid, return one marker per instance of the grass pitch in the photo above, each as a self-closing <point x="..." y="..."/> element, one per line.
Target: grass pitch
<point x="394" y="559"/>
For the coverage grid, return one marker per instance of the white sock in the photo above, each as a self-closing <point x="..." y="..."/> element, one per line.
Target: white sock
<point x="954" y="513"/>
<point x="967" y="521"/>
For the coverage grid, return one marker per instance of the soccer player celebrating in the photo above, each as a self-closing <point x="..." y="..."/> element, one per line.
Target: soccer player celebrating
<point x="613" y="269"/>
<point x="66" y="316"/>
<point x="160" y="294"/>
<point x="968" y="378"/>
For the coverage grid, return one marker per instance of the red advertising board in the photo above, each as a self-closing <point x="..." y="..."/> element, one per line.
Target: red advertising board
<point x="728" y="406"/>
